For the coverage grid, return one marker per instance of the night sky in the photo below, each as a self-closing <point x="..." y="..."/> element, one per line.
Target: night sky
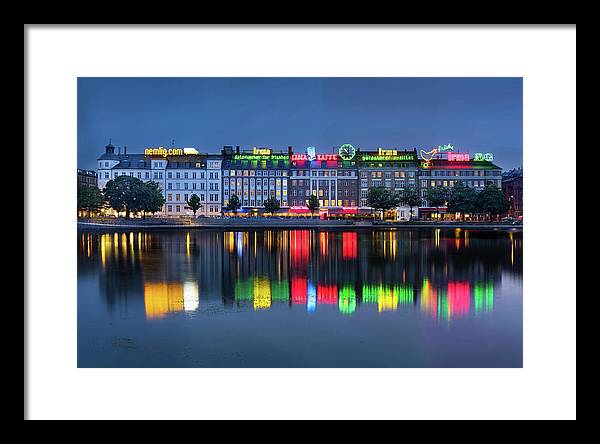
<point x="473" y="114"/>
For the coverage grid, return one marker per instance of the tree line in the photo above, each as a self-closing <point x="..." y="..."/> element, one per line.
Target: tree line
<point x="123" y="194"/>
<point x="131" y="195"/>
<point x="458" y="199"/>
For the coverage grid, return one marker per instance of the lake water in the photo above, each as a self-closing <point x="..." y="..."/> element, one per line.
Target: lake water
<point x="300" y="298"/>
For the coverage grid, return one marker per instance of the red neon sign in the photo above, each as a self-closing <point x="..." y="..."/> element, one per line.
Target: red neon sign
<point x="458" y="157"/>
<point x="326" y="157"/>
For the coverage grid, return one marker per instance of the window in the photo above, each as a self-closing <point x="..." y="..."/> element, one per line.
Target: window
<point x="177" y="208"/>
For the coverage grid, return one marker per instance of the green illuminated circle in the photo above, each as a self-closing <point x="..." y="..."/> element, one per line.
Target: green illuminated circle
<point x="347" y="151"/>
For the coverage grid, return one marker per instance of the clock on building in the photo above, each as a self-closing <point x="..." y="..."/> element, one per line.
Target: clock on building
<point x="347" y="151"/>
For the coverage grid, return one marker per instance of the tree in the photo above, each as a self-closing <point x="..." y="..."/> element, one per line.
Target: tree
<point x="313" y="204"/>
<point x="271" y="205"/>
<point x="437" y="196"/>
<point x="124" y="194"/>
<point x="89" y="199"/>
<point x="410" y="197"/>
<point x="194" y="203"/>
<point x="234" y="203"/>
<point x="491" y="200"/>
<point x="151" y="199"/>
<point x="461" y="199"/>
<point x="382" y="199"/>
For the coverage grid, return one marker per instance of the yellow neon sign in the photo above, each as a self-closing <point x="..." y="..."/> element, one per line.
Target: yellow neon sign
<point x="261" y="151"/>
<point x="384" y="152"/>
<point x="160" y="151"/>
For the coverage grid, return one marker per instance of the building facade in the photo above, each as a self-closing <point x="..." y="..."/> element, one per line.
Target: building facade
<point x="340" y="180"/>
<point x="87" y="178"/>
<point x="512" y="186"/>
<point x="179" y="172"/>
<point x="445" y="169"/>
<point x="198" y="174"/>
<point x="330" y="177"/>
<point x="254" y="176"/>
<point x="392" y="169"/>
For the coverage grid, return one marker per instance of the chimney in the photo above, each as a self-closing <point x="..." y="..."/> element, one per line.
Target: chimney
<point x="289" y="150"/>
<point x="125" y="150"/>
<point x="110" y="149"/>
<point x="237" y="149"/>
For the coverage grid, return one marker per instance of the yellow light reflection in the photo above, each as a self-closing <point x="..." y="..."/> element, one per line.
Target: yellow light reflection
<point x="187" y="244"/>
<point x="262" y="293"/>
<point x="161" y="298"/>
<point x="103" y="240"/>
<point x="124" y="244"/>
<point x="323" y="243"/>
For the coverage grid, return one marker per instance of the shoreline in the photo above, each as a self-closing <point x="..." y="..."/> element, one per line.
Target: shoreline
<point x="295" y="224"/>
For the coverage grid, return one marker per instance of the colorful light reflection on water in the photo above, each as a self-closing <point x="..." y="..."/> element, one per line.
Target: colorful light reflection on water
<point x="444" y="276"/>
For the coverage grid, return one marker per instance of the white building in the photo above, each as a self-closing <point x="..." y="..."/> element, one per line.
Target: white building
<point x="178" y="172"/>
<point x="193" y="174"/>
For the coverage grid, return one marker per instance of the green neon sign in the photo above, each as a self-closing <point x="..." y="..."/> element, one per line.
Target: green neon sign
<point x="260" y="157"/>
<point x="377" y="158"/>
<point x="483" y="157"/>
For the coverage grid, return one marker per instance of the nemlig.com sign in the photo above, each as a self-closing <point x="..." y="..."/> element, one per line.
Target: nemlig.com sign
<point x="164" y="152"/>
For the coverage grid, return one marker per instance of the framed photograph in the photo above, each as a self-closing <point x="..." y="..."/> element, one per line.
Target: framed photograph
<point x="281" y="219"/>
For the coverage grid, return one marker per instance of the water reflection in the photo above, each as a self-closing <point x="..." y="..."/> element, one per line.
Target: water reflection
<point x="440" y="274"/>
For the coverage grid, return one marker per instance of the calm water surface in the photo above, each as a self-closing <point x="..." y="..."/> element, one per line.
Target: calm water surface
<point x="300" y="298"/>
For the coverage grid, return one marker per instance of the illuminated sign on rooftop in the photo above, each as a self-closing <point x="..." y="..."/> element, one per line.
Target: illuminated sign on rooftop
<point x="386" y="155"/>
<point x="481" y="157"/>
<point x="428" y="155"/>
<point x="458" y="157"/>
<point x="260" y="157"/>
<point x="318" y="157"/>
<point x="262" y="151"/>
<point x="164" y="152"/>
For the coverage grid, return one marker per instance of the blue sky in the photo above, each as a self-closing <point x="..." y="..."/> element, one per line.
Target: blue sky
<point x="473" y="114"/>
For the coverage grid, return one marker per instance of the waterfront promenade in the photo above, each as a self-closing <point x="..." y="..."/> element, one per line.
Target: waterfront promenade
<point x="269" y="223"/>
